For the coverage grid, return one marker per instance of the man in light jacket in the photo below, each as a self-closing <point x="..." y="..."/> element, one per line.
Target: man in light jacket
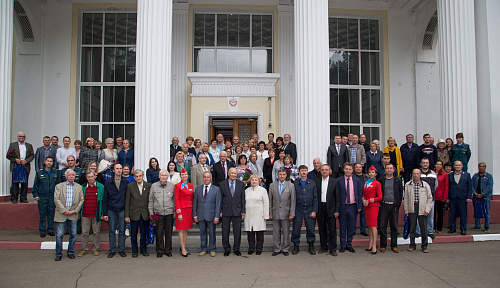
<point x="417" y="204"/>
<point x="161" y="201"/>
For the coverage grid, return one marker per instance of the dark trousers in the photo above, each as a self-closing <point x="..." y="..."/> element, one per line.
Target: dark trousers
<point x="226" y="221"/>
<point x="422" y="221"/>
<point x="438" y="215"/>
<point x="362" y="220"/>
<point x="252" y="235"/>
<point x="134" y="227"/>
<point x="389" y="213"/>
<point x="348" y="216"/>
<point x="269" y="181"/>
<point x="303" y="216"/>
<point x="15" y="191"/>
<point x="327" y="229"/>
<point x="164" y="234"/>
<point x="458" y="205"/>
<point x="338" y="173"/>
<point x="46" y="208"/>
<point x="204" y="225"/>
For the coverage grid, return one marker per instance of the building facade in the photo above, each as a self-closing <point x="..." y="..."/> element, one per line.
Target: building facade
<point x="152" y="69"/>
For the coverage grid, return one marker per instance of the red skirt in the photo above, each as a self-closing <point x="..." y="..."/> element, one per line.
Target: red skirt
<point x="187" y="219"/>
<point x="371" y="214"/>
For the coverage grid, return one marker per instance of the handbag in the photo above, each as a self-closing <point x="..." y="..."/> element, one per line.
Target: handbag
<point x="151" y="233"/>
<point x="19" y="174"/>
<point x="480" y="208"/>
<point x="407" y="227"/>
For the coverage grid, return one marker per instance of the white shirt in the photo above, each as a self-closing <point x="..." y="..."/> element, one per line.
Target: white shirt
<point x="22" y="150"/>
<point x="263" y="155"/>
<point x="324" y="189"/>
<point x="62" y="155"/>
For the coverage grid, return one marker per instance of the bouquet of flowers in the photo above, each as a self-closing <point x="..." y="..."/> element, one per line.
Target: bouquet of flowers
<point x="247" y="175"/>
<point x="154" y="218"/>
<point x="19" y="172"/>
<point x="288" y="173"/>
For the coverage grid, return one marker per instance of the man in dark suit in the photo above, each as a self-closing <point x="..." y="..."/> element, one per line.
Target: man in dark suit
<point x="460" y="193"/>
<point x="136" y="211"/>
<point x="206" y="212"/>
<point x="290" y="147"/>
<point x="281" y="211"/>
<point x="174" y="148"/>
<point x="221" y="168"/>
<point x="306" y="207"/>
<point x="233" y="210"/>
<point x="337" y="155"/>
<point x="351" y="191"/>
<point x="43" y="152"/>
<point x="409" y="155"/>
<point x="21" y="153"/>
<point x="328" y="210"/>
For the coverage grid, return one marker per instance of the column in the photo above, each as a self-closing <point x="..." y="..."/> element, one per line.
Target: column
<point x="457" y="62"/>
<point x="6" y="42"/>
<point x="179" y="71"/>
<point x="153" y="82"/>
<point x="286" y="98"/>
<point x="312" y="99"/>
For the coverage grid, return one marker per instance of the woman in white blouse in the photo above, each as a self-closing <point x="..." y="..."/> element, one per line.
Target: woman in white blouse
<point x="256" y="214"/>
<point x="173" y="176"/>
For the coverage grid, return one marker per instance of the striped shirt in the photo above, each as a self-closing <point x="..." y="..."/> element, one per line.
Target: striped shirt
<point x="70" y="188"/>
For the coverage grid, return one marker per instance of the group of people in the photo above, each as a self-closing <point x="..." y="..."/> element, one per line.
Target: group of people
<point x="232" y="183"/>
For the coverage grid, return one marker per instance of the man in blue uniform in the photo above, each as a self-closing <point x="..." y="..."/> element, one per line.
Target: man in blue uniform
<point x="306" y="208"/>
<point x="43" y="192"/>
<point x="460" y="151"/>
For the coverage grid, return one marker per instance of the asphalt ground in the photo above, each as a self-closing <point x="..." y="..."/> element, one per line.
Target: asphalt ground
<point x="472" y="264"/>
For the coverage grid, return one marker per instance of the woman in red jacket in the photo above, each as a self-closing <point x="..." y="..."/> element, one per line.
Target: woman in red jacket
<point x="183" y="195"/>
<point x="441" y="196"/>
<point x="372" y="194"/>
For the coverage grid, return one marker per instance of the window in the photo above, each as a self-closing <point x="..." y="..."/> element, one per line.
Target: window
<point x="355" y="91"/>
<point x="107" y="75"/>
<point x="233" y="43"/>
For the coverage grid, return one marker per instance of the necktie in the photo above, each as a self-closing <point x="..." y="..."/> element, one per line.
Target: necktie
<point x="224" y="169"/>
<point x="206" y="191"/>
<point x="281" y="188"/>
<point x="232" y="188"/>
<point x="348" y="196"/>
<point x="338" y="149"/>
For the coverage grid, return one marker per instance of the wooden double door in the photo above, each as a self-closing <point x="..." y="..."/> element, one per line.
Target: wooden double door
<point x="229" y="127"/>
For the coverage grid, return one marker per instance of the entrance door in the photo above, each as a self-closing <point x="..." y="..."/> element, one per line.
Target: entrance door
<point x="228" y="127"/>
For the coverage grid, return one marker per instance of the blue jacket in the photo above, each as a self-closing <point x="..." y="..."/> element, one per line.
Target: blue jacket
<point x="207" y="209"/>
<point x="45" y="183"/>
<point x="486" y="184"/>
<point x="409" y="156"/>
<point x="210" y="159"/>
<point x="126" y="158"/>
<point x="358" y="192"/>
<point x="461" y="190"/>
<point x="40" y="157"/>
<point x="114" y="199"/>
<point x="152" y="176"/>
<point x="306" y="197"/>
<point x="374" y="160"/>
<point x="461" y="153"/>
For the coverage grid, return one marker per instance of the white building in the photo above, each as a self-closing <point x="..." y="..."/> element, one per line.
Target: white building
<point x="151" y="69"/>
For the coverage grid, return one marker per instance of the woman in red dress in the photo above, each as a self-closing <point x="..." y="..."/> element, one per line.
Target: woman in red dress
<point x="183" y="195"/>
<point x="372" y="194"/>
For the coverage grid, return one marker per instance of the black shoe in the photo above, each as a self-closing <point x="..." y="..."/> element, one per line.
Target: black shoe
<point x="368" y="249"/>
<point x="159" y="255"/>
<point x="51" y="234"/>
<point x="463" y="233"/>
<point x="452" y="231"/>
<point x="79" y="231"/>
<point x="350" y="249"/>
<point x="58" y="258"/>
<point x="169" y="254"/>
<point x="373" y="253"/>
<point x="275" y="253"/>
<point x="296" y="249"/>
<point x="323" y="251"/>
<point x="71" y="256"/>
<point x="111" y="254"/>
<point x="342" y="249"/>
<point x="364" y="233"/>
<point x="333" y="253"/>
<point x="249" y="252"/>
<point x="258" y="252"/>
<point x="432" y="236"/>
<point x="122" y="253"/>
<point x="134" y="255"/>
<point x="145" y="253"/>
<point x="42" y="235"/>
<point x="311" y="249"/>
<point x="226" y="253"/>
<point x="285" y="253"/>
<point x="237" y="253"/>
<point x="66" y="232"/>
